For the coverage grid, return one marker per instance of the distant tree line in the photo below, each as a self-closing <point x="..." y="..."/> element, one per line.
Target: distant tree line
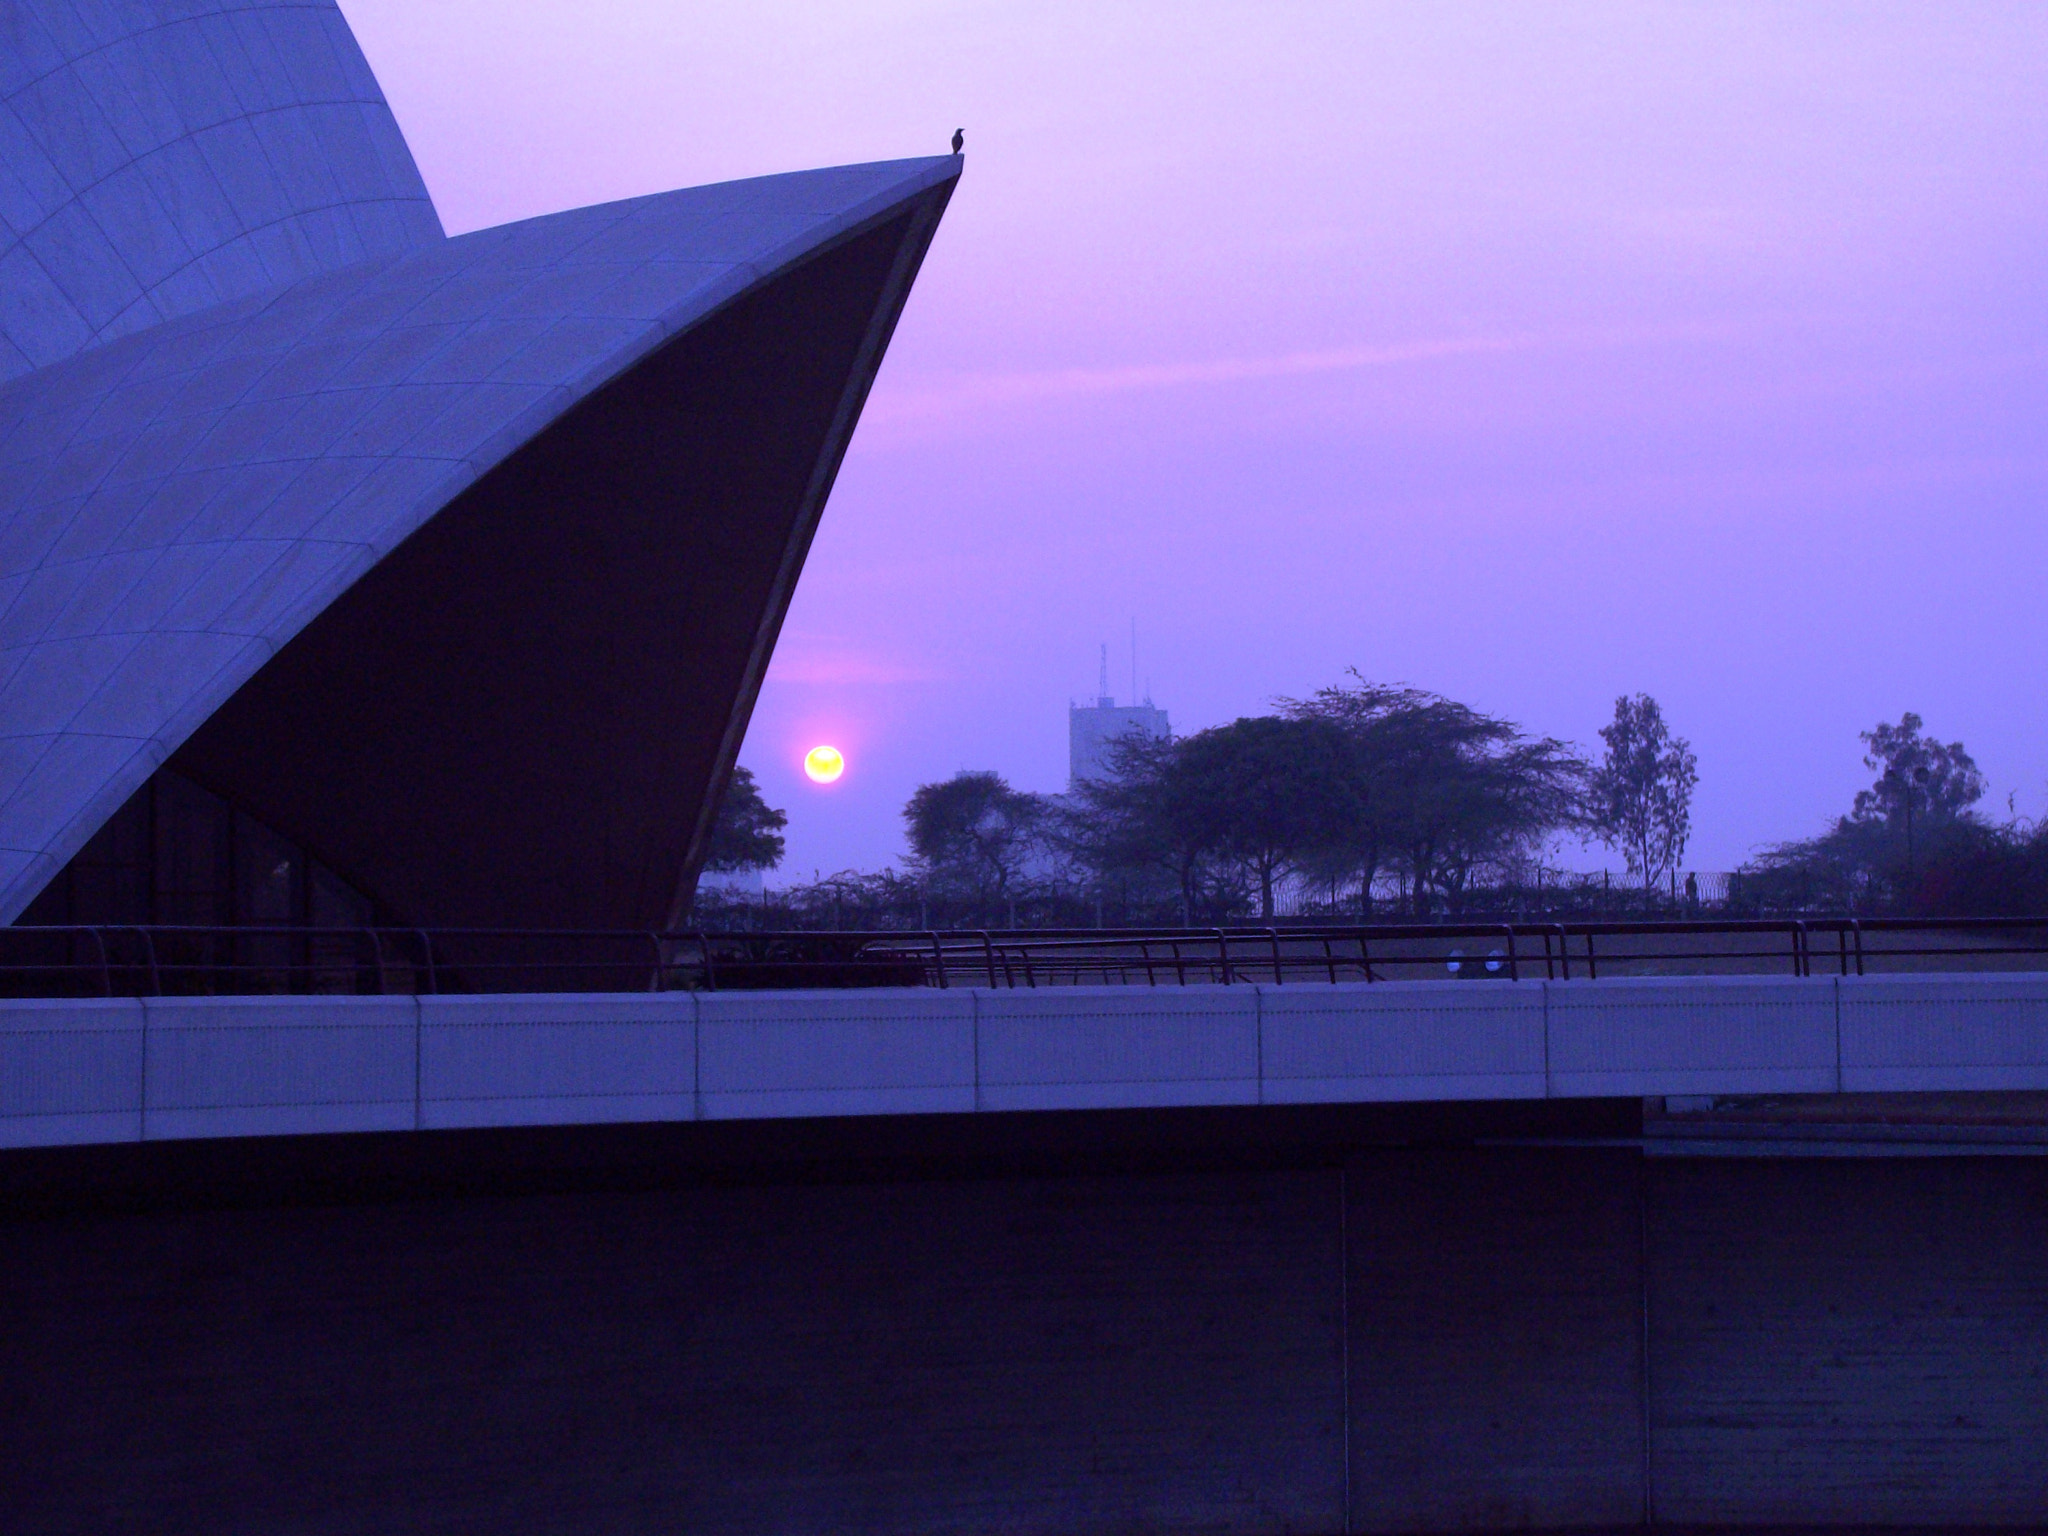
<point x="1380" y="799"/>
<point x="1363" y="801"/>
<point x="1367" y="802"/>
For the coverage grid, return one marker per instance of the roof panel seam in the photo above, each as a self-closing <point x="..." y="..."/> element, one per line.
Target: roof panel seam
<point x="117" y="80"/>
<point x="191" y="133"/>
<point x="44" y="267"/>
<point x="278" y="291"/>
<point x="77" y="304"/>
<point x="72" y="60"/>
<point x="78" y="101"/>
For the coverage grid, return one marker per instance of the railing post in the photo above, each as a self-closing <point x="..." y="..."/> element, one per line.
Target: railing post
<point x="1514" y="960"/>
<point x="654" y="974"/>
<point x="156" y="980"/>
<point x="988" y="954"/>
<point x="99" y="940"/>
<point x="710" y="962"/>
<point x="433" y="970"/>
<point x="1856" y="923"/>
<point x="1273" y="934"/>
<point x="1223" y="955"/>
<point x="938" y="958"/>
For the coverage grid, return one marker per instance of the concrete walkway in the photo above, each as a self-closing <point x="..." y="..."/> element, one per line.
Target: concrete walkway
<point x="126" y="1069"/>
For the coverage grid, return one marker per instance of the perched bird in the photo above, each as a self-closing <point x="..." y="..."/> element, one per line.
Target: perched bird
<point x="959" y="138"/>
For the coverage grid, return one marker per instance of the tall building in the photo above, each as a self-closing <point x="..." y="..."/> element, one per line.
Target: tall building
<point x="1092" y="727"/>
<point x="345" y="566"/>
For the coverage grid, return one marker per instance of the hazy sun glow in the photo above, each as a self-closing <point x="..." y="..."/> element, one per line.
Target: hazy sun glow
<point x="824" y="764"/>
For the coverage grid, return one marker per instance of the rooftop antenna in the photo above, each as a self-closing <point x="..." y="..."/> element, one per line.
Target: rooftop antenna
<point x="1134" y="658"/>
<point x="1102" y="681"/>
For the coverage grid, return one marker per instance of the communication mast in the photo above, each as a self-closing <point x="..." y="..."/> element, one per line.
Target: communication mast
<point x="1091" y="729"/>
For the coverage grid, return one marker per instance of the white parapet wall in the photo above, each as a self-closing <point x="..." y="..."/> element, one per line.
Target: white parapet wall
<point x="126" y="1069"/>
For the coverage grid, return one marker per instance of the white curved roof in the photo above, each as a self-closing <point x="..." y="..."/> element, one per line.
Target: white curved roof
<point x="177" y="503"/>
<point x="159" y="156"/>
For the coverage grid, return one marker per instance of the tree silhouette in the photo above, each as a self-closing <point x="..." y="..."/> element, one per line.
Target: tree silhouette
<point x="1641" y="794"/>
<point x="973" y="835"/>
<point x="1438" y="793"/>
<point x="747" y="833"/>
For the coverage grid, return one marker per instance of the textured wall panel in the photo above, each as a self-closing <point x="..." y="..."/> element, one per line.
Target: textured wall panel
<point x="1900" y="1032"/>
<point x="1059" y="1356"/>
<point x="561" y="1058"/>
<point x="1402" y="1040"/>
<point x="557" y="1059"/>
<point x="1496" y="1340"/>
<point x="1739" y="1035"/>
<point x="835" y="1053"/>
<point x="296" y="1065"/>
<point x="1857" y="1341"/>
<point x="1104" y="1047"/>
<point x="70" y="1070"/>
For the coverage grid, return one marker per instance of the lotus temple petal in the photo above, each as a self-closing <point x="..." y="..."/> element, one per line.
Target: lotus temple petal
<point x="194" y="472"/>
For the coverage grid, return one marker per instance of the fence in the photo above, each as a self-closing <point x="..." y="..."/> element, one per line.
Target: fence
<point x="125" y="961"/>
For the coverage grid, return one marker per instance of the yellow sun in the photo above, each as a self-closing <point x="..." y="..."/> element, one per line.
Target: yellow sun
<point x="824" y="764"/>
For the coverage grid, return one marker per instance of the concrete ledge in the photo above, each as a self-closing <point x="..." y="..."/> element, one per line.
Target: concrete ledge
<point x="121" y="1070"/>
<point x="1118" y="1047"/>
<point x="1981" y="1032"/>
<point x="886" y="1051"/>
<point x="1397" y="1040"/>
<point x="280" y="1066"/>
<point x="1708" y="1034"/>
<point x="70" y="1071"/>
<point x="554" y="1059"/>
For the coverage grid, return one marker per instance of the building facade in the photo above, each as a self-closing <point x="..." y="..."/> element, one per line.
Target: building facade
<point x="1093" y="728"/>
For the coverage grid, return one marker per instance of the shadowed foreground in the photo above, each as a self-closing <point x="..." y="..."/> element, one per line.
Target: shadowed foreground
<point x="1365" y="1318"/>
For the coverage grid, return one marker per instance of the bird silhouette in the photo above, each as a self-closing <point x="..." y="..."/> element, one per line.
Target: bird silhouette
<point x="959" y="138"/>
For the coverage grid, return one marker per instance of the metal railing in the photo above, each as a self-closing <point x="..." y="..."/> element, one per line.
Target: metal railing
<point x="1504" y="951"/>
<point x="142" y="961"/>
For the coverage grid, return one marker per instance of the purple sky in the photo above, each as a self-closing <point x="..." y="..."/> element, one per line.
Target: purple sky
<point x="1527" y="354"/>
